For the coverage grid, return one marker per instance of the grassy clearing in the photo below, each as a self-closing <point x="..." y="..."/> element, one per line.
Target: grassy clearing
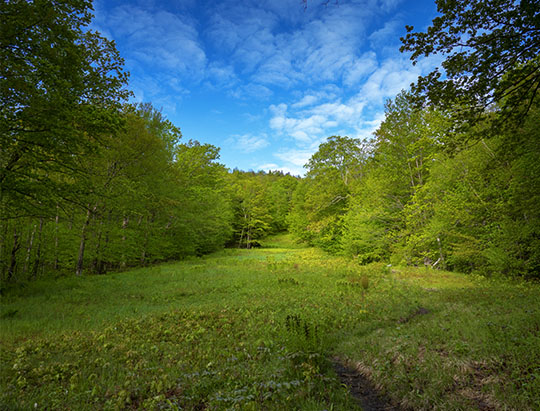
<point x="256" y="329"/>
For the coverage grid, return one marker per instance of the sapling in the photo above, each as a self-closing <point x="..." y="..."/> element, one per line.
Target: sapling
<point x="365" y="282"/>
<point x="365" y="285"/>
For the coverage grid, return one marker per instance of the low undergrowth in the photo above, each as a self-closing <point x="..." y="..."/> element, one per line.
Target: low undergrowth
<point x="259" y="329"/>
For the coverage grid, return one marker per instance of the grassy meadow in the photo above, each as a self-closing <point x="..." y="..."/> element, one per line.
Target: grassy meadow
<point x="260" y="329"/>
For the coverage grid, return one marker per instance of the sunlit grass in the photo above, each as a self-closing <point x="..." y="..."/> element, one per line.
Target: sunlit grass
<point x="255" y="329"/>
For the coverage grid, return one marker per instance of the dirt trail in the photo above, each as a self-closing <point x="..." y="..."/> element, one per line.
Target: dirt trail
<point x="363" y="391"/>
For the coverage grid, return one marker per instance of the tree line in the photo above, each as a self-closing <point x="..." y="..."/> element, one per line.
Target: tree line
<point x="451" y="178"/>
<point x="90" y="183"/>
<point x="140" y="197"/>
<point x="412" y="195"/>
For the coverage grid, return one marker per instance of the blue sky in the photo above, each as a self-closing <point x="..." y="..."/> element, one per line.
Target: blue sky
<point x="266" y="80"/>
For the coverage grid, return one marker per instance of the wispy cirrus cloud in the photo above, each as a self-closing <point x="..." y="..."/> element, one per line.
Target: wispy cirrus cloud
<point x="310" y="119"/>
<point x="389" y="5"/>
<point x="313" y="51"/>
<point x="161" y="50"/>
<point x="167" y="41"/>
<point x="360" y="68"/>
<point x="248" y="143"/>
<point x="302" y="128"/>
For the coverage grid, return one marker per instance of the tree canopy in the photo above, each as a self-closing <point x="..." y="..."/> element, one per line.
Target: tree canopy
<point x="491" y="55"/>
<point x="61" y="89"/>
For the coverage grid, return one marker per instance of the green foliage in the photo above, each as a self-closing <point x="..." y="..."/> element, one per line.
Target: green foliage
<point x="261" y="202"/>
<point x="322" y="198"/>
<point x="202" y="217"/>
<point x="476" y="212"/>
<point x="402" y="155"/>
<point x="366" y="224"/>
<point x="451" y="177"/>
<point x="491" y="56"/>
<point x="280" y="193"/>
<point x="88" y="184"/>
<point x="421" y="197"/>
<point x="145" y="197"/>
<point x="341" y="156"/>
<point x="61" y="88"/>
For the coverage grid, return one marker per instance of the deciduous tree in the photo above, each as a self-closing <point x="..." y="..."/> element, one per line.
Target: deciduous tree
<point x="491" y="56"/>
<point x="61" y="86"/>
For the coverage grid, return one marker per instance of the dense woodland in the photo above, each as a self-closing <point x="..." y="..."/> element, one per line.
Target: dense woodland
<point x="408" y="196"/>
<point x="90" y="183"/>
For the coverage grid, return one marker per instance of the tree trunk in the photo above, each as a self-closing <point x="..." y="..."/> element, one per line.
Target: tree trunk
<point x="56" y="224"/>
<point x="96" y="266"/>
<point x="29" y="249"/>
<point x="419" y="172"/>
<point x="125" y="223"/>
<point x="14" y="249"/>
<point x="37" y="261"/>
<point x="102" y="264"/>
<point x="241" y="238"/>
<point x="243" y="229"/>
<point x="80" y="259"/>
<point x="3" y="249"/>
<point x="441" y="257"/>
<point x="411" y="174"/>
<point x="248" y="236"/>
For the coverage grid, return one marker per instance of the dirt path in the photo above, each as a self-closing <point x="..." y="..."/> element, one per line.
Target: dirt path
<point x="360" y="387"/>
<point x="363" y="391"/>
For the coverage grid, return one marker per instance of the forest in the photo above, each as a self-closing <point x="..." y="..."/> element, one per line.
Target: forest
<point x="91" y="183"/>
<point x="401" y="272"/>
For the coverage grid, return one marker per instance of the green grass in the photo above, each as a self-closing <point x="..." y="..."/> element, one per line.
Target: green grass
<point x="256" y="329"/>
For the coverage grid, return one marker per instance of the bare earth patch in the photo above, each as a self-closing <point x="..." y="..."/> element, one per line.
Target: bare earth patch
<point x="419" y="311"/>
<point x="362" y="389"/>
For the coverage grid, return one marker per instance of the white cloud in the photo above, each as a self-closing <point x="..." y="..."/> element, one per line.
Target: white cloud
<point x="277" y="71"/>
<point x="251" y="90"/>
<point x="314" y="51"/>
<point x="243" y="33"/>
<point x="157" y="38"/>
<point x="307" y="100"/>
<point x="360" y="68"/>
<point x="294" y="159"/>
<point x="294" y="171"/>
<point x="268" y="167"/>
<point x="392" y="76"/>
<point x="299" y="156"/>
<point x="386" y="35"/>
<point x="368" y="127"/>
<point x="389" y="5"/>
<point x="303" y="128"/>
<point x="309" y="125"/>
<point x="312" y="118"/>
<point x="248" y="143"/>
<point x="222" y="75"/>
<point x="324" y="71"/>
